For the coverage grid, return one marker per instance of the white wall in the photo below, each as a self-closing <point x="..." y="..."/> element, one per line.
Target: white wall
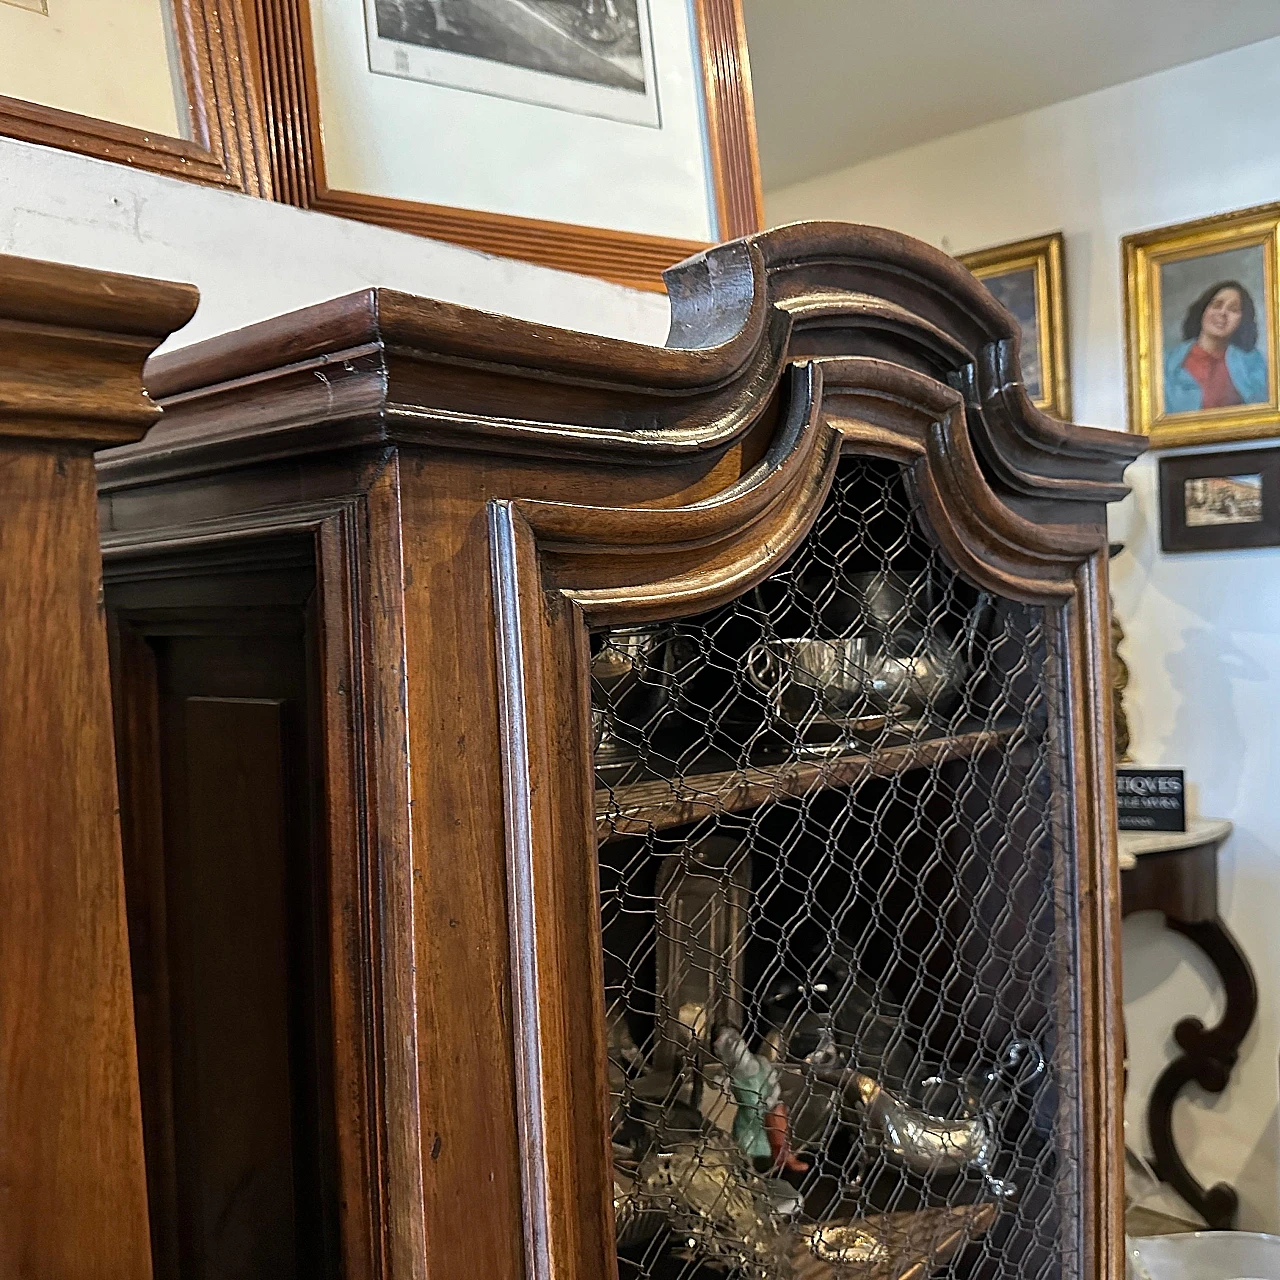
<point x="253" y="259"/>
<point x="1203" y="630"/>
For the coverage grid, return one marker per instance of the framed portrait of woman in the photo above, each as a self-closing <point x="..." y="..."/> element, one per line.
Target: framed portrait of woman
<point x="165" y="85"/>
<point x="1028" y="278"/>
<point x="1201" y="312"/>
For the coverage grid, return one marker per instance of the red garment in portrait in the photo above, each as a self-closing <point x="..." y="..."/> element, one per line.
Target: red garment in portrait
<point x="1210" y="371"/>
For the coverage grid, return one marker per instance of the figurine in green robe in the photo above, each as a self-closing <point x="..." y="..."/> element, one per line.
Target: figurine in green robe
<point x="760" y="1126"/>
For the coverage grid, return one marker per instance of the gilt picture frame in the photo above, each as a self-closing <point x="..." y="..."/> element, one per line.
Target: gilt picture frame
<point x="423" y="65"/>
<point x="218" y="135"/>
<point x="1201" y="329"/>
<point x="1029" y="278"/>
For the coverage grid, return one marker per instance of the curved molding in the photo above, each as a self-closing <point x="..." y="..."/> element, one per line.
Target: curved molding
<point x="613" y="531"/>
<point x="639" y="563"/>
<point x="739" y="568"/>
<point x="986" y="539"/>
<point x="853" y="290"/>
<point x="868" y="319"/>
<point x="850" y="313"/>
<point x="633" y="564"/>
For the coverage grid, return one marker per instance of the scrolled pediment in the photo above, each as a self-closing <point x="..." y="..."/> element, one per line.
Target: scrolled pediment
<point x="785" y="348"/>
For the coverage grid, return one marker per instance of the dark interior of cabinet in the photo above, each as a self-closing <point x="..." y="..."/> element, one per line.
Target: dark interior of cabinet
<point x="919" y="857"/>
<point x="216" y="681"/>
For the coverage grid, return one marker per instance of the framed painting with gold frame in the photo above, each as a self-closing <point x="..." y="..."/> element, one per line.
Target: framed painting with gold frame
<point x="1029" y="278"/>
<point x="1200" y="322"/>
<point x="606" y="137"/>
<point x="165" y="85"/>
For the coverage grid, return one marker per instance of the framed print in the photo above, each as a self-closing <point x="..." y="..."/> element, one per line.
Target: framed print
<point x="1220" y="501"/>
<point x="161" y="84"/>
<point x="1200" y="319"/>
<point x="607" y="137"/>
<point x="599" y="62"/>
<point x="1028" y="278"/>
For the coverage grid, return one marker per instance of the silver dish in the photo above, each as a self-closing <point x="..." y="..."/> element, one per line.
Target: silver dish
<point x="822" y="689"/>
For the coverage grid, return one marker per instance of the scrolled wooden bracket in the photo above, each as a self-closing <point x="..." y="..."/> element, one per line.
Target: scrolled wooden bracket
<point x="847" y="286"/>
<point x="1208" y="1057"/>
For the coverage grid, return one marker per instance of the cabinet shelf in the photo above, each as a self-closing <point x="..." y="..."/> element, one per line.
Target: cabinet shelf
<point x="903" y="1246"/>
<point x="659" y="803"/>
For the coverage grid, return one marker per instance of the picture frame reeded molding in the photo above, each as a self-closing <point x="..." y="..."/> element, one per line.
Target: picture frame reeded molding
<point x="228" y="143"/>
<point x="284" y="36"/>
<point x="1046" y="257"/>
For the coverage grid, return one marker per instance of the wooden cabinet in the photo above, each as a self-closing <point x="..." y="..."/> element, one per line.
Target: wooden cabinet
<point x="72" y="1194"/>
<point x="809" y="972"/>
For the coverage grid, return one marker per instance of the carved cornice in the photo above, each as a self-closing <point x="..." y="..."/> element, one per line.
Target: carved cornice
<point x="855" y="290"/>
<point x="893" y="348"/>
<point x="72" y="347"/>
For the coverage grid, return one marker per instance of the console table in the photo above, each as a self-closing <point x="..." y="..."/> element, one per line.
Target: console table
<point x="1176" y="873"/>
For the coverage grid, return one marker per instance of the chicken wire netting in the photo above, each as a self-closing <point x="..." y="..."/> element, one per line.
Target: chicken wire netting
<point x="837" y="959"/>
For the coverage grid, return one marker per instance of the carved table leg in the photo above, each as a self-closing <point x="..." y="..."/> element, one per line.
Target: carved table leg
<point x="1208" y="1056"/>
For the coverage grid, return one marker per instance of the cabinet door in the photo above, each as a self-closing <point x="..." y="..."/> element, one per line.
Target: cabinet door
<point x="836" y="919"/>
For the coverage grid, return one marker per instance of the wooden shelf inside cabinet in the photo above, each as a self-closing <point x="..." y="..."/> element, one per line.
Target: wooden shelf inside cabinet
<point x="901" y="1246"/>
<point x="659" y="803"/>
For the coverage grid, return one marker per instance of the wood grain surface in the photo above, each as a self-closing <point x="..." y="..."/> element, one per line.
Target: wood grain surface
<point x="73" y="1200"/>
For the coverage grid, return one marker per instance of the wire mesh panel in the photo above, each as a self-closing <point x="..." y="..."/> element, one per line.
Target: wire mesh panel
<point x="837" y="961"/>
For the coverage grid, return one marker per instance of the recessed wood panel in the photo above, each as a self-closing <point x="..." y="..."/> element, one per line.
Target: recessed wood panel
<point x="227" y="889"/>
<point x="228" y="931"/>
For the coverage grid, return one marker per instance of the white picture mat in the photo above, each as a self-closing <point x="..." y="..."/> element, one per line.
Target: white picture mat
<point x="107" y="59"/>
<point x="483" y="75"/>
<point x="411" y="141"/>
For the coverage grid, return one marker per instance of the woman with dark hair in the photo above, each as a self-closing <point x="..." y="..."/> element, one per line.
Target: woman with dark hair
<point x="1218" y="364"/>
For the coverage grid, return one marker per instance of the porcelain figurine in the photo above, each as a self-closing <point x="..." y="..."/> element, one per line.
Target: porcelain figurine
<point x="760" y="1126"/>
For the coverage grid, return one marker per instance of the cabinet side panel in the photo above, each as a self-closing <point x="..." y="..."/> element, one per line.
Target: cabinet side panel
<point x="71" y="1164"/>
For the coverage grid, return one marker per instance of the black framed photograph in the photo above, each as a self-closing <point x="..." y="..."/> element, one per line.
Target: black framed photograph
<point x="1220" y="501"/>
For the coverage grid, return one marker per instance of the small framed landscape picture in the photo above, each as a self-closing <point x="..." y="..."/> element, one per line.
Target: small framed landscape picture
<point x="1201" y="329"/>
<point x="1220" y="501"/>
<point x="1027" y="278"/>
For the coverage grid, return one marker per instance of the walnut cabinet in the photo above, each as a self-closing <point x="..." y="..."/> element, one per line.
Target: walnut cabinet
<point x="600" y="810"/>
<point x="72" y="1191"/>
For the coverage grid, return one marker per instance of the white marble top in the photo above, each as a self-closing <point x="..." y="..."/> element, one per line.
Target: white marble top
<point x="1133" y="844"/>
